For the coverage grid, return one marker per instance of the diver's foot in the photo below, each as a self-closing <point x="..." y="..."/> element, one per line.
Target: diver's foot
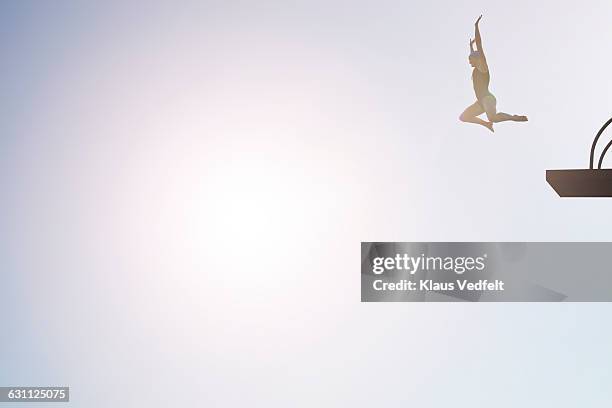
<point x="489" y="125"/>
<point x="520" y="118"/>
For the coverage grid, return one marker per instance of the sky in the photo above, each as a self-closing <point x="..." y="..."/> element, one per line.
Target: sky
<point x="186" y="184"/>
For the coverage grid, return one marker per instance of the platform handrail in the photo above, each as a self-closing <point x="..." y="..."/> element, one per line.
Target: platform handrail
<point x="595" y="144"/>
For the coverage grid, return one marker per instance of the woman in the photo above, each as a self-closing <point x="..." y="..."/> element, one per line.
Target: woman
<point x="485" y="101"/>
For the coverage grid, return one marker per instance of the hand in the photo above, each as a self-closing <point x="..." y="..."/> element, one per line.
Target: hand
<point x="478" y="21"/>
<point x="472" y="43"/>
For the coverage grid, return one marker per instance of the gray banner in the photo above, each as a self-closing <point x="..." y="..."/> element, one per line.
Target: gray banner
<point x="486" y="272"/>
<point x="34" y="394"/>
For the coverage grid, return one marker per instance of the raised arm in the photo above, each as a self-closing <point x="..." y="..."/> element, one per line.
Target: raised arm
<point x="478" y="40"/>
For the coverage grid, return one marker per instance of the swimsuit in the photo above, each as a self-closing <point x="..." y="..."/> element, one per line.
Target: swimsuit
<point x="481" y="83"/>
<point x="481" y="88"/>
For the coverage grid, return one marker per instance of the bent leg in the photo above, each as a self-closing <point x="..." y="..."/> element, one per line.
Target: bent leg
<point x="503" y="117"/>
<point x="470" y="115"/>
<point x="490" y="107"/>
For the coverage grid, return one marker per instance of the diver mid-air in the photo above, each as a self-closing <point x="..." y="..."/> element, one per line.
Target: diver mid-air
<point x="485" y="100"/>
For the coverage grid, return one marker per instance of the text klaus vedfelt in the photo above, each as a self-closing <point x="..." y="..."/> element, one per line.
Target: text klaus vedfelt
<point x="413" y="264"/>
